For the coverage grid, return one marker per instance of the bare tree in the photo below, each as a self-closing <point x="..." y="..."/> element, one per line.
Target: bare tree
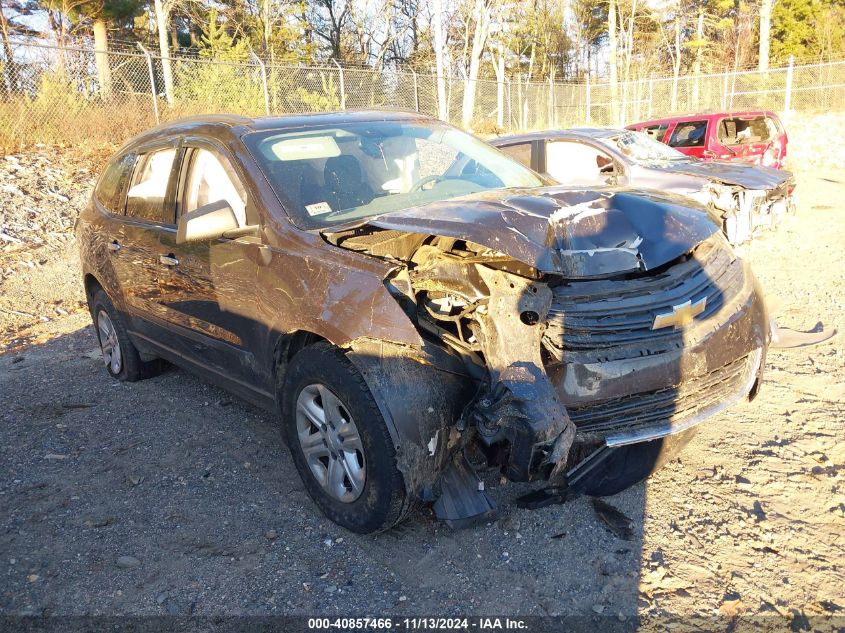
<point x="163" y="11"/>
<point x="765" y="30"/>
<point x="480" y="32"/>
<point x="101" y="54"/>
<point x="612" y="61"/>
<point x="329" y="20"/>
<point x="438" y="57"/>
<point x="676" y="60"/>
<point x="498" y="54"/>
<point x="10" y="78"/>
<point x="628" y="55"/>
<point x="699" y="45"/>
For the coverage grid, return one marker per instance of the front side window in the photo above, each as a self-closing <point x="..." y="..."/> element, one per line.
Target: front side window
<point x="657" y="132"/>
<point x="211" y="179"/>
<point x="574" y="163"/>
<point x="520" y="152"/>
<point x="113" y="182"/>
<point x="346" y="173"/>
<point x="147" y="194"/>
<point x="689" y="134"/>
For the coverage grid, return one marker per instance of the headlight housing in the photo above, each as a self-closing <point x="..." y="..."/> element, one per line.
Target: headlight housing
<point x="721" y="197"/>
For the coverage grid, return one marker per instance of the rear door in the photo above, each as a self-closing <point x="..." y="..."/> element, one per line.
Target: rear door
<point x="207" y="288"/>
<point x="748" y="138"/>
<point x="109" y="235"/>
<point x="134" y="245"/>
<point x="523" y="152"/>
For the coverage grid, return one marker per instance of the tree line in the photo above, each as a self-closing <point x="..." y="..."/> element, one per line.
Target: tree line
<point x="539" y="40"/>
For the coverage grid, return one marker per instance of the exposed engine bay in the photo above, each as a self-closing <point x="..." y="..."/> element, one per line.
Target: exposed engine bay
<point x="745" y="212"/>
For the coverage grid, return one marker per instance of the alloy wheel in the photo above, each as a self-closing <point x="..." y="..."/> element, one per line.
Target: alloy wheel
<point x="109" y="343"/>
<point x="330" y="443"/>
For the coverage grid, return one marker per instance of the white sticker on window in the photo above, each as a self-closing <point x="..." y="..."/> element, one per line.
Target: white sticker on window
<point x="305" y="148"/>
<point x="318" y="208"/>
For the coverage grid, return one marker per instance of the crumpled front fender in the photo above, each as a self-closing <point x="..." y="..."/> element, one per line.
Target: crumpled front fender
<point x="420" y="392"/>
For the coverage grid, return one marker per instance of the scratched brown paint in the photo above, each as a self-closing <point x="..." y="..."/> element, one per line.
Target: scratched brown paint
<point x="559" y="362"/>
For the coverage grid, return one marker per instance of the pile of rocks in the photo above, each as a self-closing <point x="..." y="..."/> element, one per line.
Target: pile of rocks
<point x="41" y="193"/>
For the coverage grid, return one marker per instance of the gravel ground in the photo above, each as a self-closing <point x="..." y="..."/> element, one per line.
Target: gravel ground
<point x="171" y="497"/>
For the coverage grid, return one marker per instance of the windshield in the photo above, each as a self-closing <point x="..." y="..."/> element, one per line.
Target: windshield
<point x="339" y="174"/>
<point x="641" y="148"/>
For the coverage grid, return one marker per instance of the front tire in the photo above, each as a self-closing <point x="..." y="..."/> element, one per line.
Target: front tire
<point x="119" y="354"/>
<point x="340" y="442"/>
<point x="629" y="465"/>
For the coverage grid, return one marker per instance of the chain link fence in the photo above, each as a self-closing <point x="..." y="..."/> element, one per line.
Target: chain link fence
<point x="74" y="95"/>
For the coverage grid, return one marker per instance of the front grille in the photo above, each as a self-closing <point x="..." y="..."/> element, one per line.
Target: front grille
<point x="670" y="404"/>
<point x="596" y="316"/>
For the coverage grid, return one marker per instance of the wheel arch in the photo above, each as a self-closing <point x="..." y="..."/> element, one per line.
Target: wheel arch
<point x="92" y="284"/>
<point x="286" y="346"/>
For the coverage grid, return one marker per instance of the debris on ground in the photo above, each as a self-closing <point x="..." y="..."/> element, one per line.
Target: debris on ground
<point x="746" y="522"/>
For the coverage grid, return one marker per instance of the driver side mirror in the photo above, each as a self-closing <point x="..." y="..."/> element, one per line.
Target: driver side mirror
<point x="209" y="222"/>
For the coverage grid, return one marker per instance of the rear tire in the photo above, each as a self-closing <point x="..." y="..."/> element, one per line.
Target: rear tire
<point x="353" y="478"/>
<point x="119" y="353"/>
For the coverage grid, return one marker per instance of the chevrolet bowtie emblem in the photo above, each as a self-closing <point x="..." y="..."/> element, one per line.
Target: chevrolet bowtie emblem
<point x="680" y="315"/>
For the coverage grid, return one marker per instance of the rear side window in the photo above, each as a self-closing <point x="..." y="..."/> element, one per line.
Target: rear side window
<point x="657" y="132"/>
<point x="520" y="152"/>
<point x="112" y="184"/>
<point x="740" y="131"/>
<point x="147" y="194"/>
<point x="689" y="134"/>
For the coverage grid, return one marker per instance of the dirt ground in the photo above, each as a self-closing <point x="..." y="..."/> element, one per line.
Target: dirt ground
<point x="171" y="497"/>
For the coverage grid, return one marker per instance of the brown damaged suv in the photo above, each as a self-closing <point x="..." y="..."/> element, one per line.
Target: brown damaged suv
<point x="414" y="303"/>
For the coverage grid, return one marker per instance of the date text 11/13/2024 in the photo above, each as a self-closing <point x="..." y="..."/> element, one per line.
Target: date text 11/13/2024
<point x="418" y="623"/>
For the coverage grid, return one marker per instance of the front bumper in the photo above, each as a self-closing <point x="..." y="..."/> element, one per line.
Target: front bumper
<point x="637" y="385"/>
<point x="741" y="384"/>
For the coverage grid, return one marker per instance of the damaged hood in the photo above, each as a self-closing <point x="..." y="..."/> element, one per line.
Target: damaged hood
<point x="576" y="233"/>
<point x="748" y="176"/>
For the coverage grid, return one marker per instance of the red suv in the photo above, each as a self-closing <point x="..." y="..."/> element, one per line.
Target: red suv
<point x="749" y="137"/>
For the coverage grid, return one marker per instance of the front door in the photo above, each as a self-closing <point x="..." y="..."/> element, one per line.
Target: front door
<point x="690" y="137"/>
<point x="207" y="288"/>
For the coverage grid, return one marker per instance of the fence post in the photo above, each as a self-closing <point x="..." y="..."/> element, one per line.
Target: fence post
<point x="152" y="81"/>
<point x="263" y="69"/>
<point x="589" y="98"/>
<point x="650" y="96"/>
<point x="725" y="92"/>
<point x="342" y="86"/>
<point x="416" y="90"/>
<point x="510" y="105"/>
<point x="787" y="97"/>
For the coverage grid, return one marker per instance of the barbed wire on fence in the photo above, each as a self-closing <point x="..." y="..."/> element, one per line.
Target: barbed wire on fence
<point x="67" y="94"/>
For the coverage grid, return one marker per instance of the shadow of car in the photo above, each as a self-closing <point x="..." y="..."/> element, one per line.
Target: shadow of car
<point x="409" y="299"/>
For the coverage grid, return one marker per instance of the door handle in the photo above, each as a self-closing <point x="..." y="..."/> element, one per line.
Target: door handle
<point x="113" y="246"/>
<point x="168" y="260"/>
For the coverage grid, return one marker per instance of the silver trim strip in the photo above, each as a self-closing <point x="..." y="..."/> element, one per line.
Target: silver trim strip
<point x="670" y="428"/>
